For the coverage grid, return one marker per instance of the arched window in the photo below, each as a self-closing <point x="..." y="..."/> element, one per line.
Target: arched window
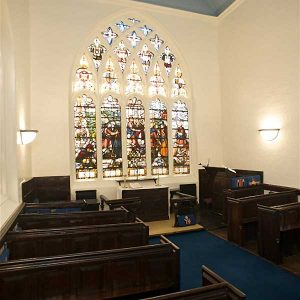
<point x="127" y="75"/>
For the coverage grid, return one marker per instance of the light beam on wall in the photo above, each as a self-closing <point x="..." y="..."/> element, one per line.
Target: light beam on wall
<point x="26" y="136"/>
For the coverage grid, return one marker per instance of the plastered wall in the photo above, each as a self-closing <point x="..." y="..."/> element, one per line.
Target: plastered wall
<point x="259" y="63"/>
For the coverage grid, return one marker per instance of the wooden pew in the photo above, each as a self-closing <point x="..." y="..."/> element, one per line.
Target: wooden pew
<point x="132" y="204"/>
<point x="240" y="193"/>
<point x="61" y="206"/>
<point x="242" y="213"/>
<point x="136" y="272"/>
<point x="214" y="288"/>
<point x="39" y="243"/>
<point x="83" y="218"/>
<point x="278" y="229"/>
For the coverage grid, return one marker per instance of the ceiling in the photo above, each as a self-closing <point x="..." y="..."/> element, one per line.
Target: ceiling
<point x="204" y="7"/>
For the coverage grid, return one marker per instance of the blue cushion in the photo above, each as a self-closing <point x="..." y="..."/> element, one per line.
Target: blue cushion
<point x="185" y="220"/>
<point x="4" y="256"/>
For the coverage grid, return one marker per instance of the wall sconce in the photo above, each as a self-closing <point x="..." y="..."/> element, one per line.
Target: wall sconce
<point x="26" y="136"/>
<point x="269" y="134"/>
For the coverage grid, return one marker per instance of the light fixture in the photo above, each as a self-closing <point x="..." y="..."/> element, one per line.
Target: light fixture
<point x="269" y="134"/>
<point x="26" y="136"/>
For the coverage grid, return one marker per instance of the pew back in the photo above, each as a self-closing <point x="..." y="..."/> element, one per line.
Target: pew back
<point x="39" y="243"/>
<point x="242" y="213"/>
<point x="105" y="274"/>
<point x="56" y="220"/>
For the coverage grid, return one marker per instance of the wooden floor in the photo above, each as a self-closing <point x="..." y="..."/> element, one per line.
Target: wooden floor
<point x="167" y="227"/>
<point x="290" y="263"/>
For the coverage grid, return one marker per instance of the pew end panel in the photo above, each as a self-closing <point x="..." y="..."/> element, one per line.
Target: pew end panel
<point x="209" y="277"/>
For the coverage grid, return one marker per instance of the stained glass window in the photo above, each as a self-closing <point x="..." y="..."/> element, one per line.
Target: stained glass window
<point x="178" y="84"/>
<point x="146" y="56"/>
<point x="157" y="83"/>
<point x="168" y="59"/>
<point x="134" y="80"/>
<point x="85" y="138"/>
<point x="110" y="78"/>
<point x="159" y="137"/>
<point x="96" y="49"/>
<point x="180" y="136"/>
<point x="111" y="137"/>
<point x="122" y="53"/>
<point x="136" y="146"/>
<point x="84" y="77"/>
<point x="128" y="64"/>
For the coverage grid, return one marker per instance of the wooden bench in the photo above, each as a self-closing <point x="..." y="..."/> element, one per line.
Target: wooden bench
<point x="242" y="214"/>
<point x="214" y="288"/>
<point x="132" y="204"/>
<point x="240" y="193"/>
<point x="39" y="243"/>
<point x="61" y="206"/>
<point x="278" y="230"/>
<point x="134" y="272"/>
<point x="56" y="220"/>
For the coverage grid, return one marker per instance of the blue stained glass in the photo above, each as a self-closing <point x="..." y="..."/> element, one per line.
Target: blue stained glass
<point x="109" y="35"/>
<point x="146" y="30"/>
<point x="122" y="26"/>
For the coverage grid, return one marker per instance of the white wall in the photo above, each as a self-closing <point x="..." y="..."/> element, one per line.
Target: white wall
<point x="59" y="30"/>
<point x="259" y="63"/>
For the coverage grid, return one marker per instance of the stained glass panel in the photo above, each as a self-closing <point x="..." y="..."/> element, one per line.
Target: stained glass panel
<point x="157" y="83"/>
<point x="134" y="39"/>
<point x="156" y="42"/>
<point x="146" y="57"/>
<point x="134" y="80"/>
<point x="122" y="53"/>
<point x="111" y="138"/>
<point x="85" y="138"/>
<point x="96" y="49"/>
<point x="168" y="58"/>
<point x="159" y="137"/>
<point x="136" y="147"/>
<point x="110" y="79"/>
<point x="146" y="30"/>
<point x="84" y="77"/>
<point x="122" y="26"/>
<point x="180" y="136"/>
<point x="178" y="84"/>
<point x="109" y="35"/>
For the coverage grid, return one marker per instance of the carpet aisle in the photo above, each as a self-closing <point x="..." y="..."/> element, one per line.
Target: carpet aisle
<point x="258" y="278"/>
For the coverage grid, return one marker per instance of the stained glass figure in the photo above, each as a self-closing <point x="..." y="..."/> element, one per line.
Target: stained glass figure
<point x="84" y="77"/>
<point x="122" y="26"/>
<point x="109" y="35"/>
<point x="85" y="138"/>
<point x="178" y="84"/>
<point x="97" y="50"/>
<point x="168" y="59"/>
<point x="146" y="56"/>
<point x="146" y="30"/>
<point x="122" y="53"/>
<point x="110" y="78"/>
<point x="159" y="137"/>
<point x="134" y="39"/>
<point x="157" y="83"/>
<point x="134" y="20"/>
<point x="156" y="42"/>
<point x="111" y="138"/>
<point x="134" y="80"/>
<point x="180" y="137"/>
<point x="136" y="147"/>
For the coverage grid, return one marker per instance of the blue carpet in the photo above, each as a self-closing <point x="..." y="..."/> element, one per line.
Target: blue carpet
<point x="256" y="277"/>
